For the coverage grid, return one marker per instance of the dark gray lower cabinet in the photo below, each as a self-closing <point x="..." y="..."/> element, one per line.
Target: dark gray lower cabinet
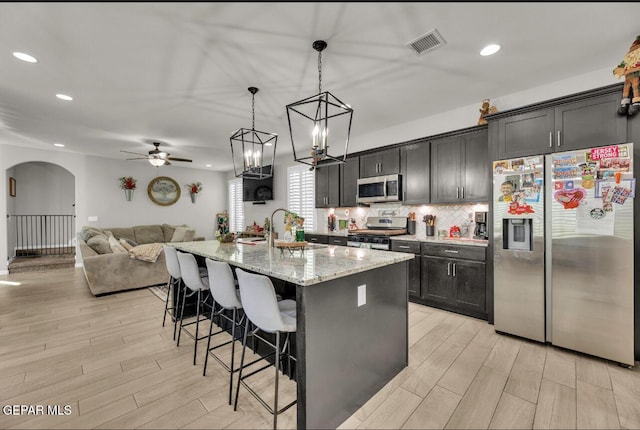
<point x="412" y="247"/>
<point x="453" y="278"/>
<point x="316" y="238"/>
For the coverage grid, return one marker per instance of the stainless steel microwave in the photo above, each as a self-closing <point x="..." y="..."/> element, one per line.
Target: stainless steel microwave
<point x="380" y="189"/>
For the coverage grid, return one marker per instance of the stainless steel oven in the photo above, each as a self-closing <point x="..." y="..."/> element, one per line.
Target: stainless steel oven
<point x="378" y="232"/>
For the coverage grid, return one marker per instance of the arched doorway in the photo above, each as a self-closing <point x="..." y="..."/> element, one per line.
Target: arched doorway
<point x="40" y="216"/>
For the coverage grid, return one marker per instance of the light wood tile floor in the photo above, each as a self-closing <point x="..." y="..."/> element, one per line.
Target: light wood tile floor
<point x="111" y="361"/>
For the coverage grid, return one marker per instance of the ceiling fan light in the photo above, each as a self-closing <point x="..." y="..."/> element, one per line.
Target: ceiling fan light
<point x="157" y="162"/>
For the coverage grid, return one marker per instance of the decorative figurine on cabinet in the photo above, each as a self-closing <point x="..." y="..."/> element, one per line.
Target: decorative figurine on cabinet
<point x="630" y="69"/>
<point x="485" y="110"/>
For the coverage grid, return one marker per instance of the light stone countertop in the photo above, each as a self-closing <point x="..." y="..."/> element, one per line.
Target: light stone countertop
<point x="434" y="239"/>
<point x="318" y="264"/>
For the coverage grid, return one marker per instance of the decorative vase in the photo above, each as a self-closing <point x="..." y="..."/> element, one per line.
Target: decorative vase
<point x="128" y="193"/>
<point x="194" y="197"/>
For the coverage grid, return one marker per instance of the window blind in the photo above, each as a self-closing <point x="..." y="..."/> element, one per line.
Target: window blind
<point x="236" y="207"/>
<point x="301" y="197"/>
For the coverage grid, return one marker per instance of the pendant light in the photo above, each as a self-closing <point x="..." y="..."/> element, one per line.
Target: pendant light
<point x="255" y="151"/>
<point x="317" y="121"/>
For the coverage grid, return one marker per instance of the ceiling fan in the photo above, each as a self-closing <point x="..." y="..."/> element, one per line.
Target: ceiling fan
<point x="157" y="157"/>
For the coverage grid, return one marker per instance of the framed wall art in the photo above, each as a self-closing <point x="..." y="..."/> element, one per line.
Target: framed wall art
<point x="163" y="191"/>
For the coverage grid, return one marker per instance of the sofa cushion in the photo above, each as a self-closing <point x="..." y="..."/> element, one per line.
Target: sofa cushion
<point x="146" y="252"/>
<point x="88" y="232"/>
<point x="183" y="234"/>
<point x="148" y="233"/>
<point x="123" y="233"/>
<point x="100" y="244"/>
<point x="116" y="247"/>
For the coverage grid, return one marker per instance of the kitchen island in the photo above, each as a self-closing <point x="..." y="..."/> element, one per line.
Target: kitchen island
<point x="352" y="319"/>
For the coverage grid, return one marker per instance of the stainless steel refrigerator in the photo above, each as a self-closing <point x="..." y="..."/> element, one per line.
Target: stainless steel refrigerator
<point x="563" y="249"/>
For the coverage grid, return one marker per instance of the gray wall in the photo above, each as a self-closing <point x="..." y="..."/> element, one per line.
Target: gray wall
<point x="43" y="189"/>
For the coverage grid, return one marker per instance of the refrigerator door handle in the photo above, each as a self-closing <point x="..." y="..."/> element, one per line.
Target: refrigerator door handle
<point x="551" y="139"/>
<point x="558" y="138"/>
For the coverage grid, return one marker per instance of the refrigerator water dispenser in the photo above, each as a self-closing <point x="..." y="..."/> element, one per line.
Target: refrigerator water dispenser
<point x="517" y="234"/>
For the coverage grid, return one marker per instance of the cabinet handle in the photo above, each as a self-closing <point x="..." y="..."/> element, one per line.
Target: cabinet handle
<point x="457" y="192"/>
<point x="404" y="195"/>
<point x="454" y="269"/>
<point x="313" y="239"/>
<point x="451" y="251"/>
<point x="463" y="192"/>
<point x="403" y="246"/>
<point x="449" y="269"/>
<point x="558" y="138"/>
<point x="551" y="139"/>
<point x="336" y="241"/>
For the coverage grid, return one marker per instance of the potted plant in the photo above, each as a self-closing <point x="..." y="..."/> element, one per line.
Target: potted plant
<point x="194" y="189"/>
<point x="128" y="184"/>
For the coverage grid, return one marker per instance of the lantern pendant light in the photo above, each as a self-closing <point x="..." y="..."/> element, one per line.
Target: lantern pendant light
<point x="317" y="121"/>
<point x="254" y="153"/>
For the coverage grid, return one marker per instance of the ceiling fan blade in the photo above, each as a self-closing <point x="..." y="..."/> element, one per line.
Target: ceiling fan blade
<point x="179" y="159"/>
<point x="136" y="153"/>
<point x="139" y="158"/>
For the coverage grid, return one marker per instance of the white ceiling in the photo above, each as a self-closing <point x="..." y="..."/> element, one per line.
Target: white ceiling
<point x="178" y="72"/>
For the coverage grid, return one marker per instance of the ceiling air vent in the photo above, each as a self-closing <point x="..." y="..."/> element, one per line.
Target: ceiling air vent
<point x="427" y="42"/>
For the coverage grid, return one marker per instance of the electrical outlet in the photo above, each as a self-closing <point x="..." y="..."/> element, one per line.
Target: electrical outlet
<point x="362" y="294"/>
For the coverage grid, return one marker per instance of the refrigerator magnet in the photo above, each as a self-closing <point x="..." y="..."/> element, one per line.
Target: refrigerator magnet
<point x="570" y="199"/>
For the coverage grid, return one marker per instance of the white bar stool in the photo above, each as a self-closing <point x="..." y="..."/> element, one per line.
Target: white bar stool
<point x="173" y="286"/>
<point x="262" y="308"/>
<point x="197" y="284"/>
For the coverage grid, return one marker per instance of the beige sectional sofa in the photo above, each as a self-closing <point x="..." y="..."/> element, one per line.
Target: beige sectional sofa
<point x="109" y="267"/>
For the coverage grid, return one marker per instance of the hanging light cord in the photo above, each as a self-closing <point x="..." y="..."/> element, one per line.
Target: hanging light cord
<point x="253" y="111"/>
<point x="320" y="72"/>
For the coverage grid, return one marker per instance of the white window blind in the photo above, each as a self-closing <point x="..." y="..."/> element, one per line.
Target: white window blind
<point x="236" y="207"/>
<point x="301" y="195"/>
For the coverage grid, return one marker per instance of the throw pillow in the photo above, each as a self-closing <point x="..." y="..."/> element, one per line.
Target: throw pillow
<point x="146" y="252"/>
<point x="88" y="232"/>
<point x="168" y="231"/>
<point x="189" y="234"/>
<point x="151" y="233"/>
<point x="100" y="244"/>
<point x="179" y="234"/>
<point x="116" y="247"/>
<point x="128" y="244"/>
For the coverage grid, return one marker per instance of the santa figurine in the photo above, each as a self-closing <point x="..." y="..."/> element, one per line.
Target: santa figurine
<point x="630" y="69"/>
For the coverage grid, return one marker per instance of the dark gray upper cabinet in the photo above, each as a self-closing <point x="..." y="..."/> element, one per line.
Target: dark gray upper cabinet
<point x="328" y="186"/>
<point x="562" y="126"/>
<point x="460" y="168"/>
<point x="414" y="167"/>
<point x="349" y="173"/>
<point x="385" y="162"/>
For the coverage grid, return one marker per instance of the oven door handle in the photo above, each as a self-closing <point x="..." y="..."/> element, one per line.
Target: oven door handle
<point x="386" y="194"/>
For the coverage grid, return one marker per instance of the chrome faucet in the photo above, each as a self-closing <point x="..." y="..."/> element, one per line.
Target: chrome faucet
<point x="271" y="241"/>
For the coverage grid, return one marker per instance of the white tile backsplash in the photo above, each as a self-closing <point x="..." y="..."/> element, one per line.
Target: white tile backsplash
<point x="446" y="216"/>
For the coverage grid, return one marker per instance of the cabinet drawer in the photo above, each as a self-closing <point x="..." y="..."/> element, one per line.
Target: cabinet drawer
<point x="333" y="240"/>
<point x="315" y="238"/>
<point x="477" y="253"/>
<point x="409" y="246"/>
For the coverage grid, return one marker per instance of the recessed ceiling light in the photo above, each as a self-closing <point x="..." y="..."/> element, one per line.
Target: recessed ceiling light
<point x="64" y="97"/>
<point x="489" y="50"/>
<point x="25" y="57"/>
<point x="59" y="144"/>
<point x="207" y="165"/>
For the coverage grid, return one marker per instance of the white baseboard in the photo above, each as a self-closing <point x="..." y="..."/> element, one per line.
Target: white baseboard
<point x="78" y="264"/>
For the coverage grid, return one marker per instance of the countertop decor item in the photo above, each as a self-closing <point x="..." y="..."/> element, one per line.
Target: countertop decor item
<point x="310" y="116"/>
<point x="254" y="150"/>
<point x="163" y="191"/>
